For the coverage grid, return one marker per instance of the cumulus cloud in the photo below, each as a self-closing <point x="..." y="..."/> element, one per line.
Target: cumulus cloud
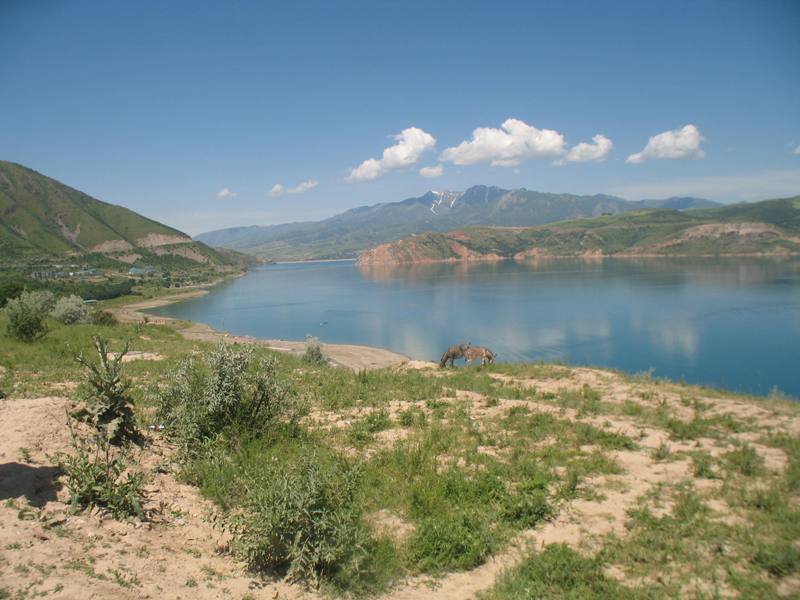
<point x="678" y="143"/>
<point x="226" y="193"/>
<point x="595" y="151"/>
<point x="507" y="146"/>
<point x="432" y="171"/>
<point x="411" y="144"/>
<point x="303" y="187"/>
<point x="796" y="150"/>
<point x="278" y="189"/>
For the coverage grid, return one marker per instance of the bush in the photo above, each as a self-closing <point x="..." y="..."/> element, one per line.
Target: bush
<point x="227" y="388"/>
<point x="104" y="318"/>
<point x="108" y="406"/>
<point x="302" y="518"/>
<point x="26" y="315"/>
<point x="70" y="310"/>
<point x="98" y="475"/>
<point x="313" y="354"/>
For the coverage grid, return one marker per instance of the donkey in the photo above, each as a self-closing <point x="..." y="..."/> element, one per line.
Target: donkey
<point x="453" y="353"/>
<point x="479" y="352"/>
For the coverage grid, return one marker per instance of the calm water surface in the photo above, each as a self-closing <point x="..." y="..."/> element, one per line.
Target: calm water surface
<point x="730" y="323"/>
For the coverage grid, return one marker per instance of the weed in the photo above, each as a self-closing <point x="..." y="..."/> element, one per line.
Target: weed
<point x="744" y="460"/>
<point x="97" y="475"/>
<point x="780" y="559"/>
<point x="363" y="430"/>
<point x="449" y="542"/>
<point x="558" y="572"/>
<point x="302" y="518"/>
<point x="702" y="465"/>
<point x="108" y="405"/>
<point x="662" y="453"/>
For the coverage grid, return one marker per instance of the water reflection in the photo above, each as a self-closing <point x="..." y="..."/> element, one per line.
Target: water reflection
<point x="726" y="322"/>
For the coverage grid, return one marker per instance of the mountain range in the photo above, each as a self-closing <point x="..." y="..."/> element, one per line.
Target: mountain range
<point x="355" y="230"/>
<point x="771" y="227"/>
<point x="42" y="219"/>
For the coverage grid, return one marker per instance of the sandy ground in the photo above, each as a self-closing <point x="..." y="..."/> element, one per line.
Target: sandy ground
<point x="357" y="358"/>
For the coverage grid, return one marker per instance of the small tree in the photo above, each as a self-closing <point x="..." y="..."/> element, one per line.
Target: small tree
<point x="26" y="315"/>
<point x="108" y="406"/>
<point x="70" y="310"/>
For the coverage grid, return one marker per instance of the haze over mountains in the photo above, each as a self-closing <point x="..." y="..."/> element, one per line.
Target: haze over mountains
<point x="43" y="219"/>
<point x="355" y="230"/>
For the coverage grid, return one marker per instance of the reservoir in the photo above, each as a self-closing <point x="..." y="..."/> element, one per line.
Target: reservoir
<point x="729" y="323"/>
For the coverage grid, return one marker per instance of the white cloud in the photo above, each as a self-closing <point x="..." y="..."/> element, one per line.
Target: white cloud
<point x="411" y="144"/>
<point x="226" y="193"/>
<point x="432" y="171"/>
<point x="796" y="150"/>
<point x="678" y="143"/>
<point x="303" y="187"/>
<point x="760" y="185"/>
<point x="588" y="152"/>
<point x="507" y="146"/>
<point x="278" y="189"/>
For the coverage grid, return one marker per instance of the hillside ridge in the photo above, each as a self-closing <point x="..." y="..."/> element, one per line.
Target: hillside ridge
<point x="348" y="233"/>
<point x="767" y="227"/>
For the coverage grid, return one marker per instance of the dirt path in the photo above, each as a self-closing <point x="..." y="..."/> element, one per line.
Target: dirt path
<point x="357" y="358"/>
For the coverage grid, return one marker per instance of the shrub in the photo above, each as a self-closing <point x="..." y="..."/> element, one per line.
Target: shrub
<point x="26" y="315"/>
<point x="98" y="475"/>
<point x="302" y="518"/>
<point x="70" y="310"/>
<point x="313" y="354"/>
<point x="104" y="318"/>
<point x="226" y="388"/>
<point x="108" y="406"/>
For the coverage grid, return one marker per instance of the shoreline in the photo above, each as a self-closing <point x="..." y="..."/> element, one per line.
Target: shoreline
<point x="588" y="256"/>
<point x="349" y="356"/>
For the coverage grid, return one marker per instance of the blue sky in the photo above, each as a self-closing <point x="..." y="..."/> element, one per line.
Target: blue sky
<point x="162" y="105"/>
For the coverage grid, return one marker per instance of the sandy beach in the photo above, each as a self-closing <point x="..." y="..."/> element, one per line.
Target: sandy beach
<point x="357" y="358"/>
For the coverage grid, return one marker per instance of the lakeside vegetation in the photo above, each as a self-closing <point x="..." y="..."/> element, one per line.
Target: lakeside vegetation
<point x="356" y="482"/>
<point x="768" y="227"/>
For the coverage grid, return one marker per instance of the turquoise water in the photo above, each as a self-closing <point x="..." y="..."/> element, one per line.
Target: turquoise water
<point x="731" y="323"/>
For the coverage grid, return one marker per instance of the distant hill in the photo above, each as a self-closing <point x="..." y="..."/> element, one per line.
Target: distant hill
<point x="768" y="227"/>
<point x="346" y="234"/>
<point x="41" y="218"/>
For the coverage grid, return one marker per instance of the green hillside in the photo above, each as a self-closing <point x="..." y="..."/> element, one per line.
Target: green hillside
<point x="769" y="227"/>
<point x="41" y="218"/>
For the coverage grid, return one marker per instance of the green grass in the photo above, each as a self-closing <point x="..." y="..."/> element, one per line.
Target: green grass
<point x="559" y="572"/>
